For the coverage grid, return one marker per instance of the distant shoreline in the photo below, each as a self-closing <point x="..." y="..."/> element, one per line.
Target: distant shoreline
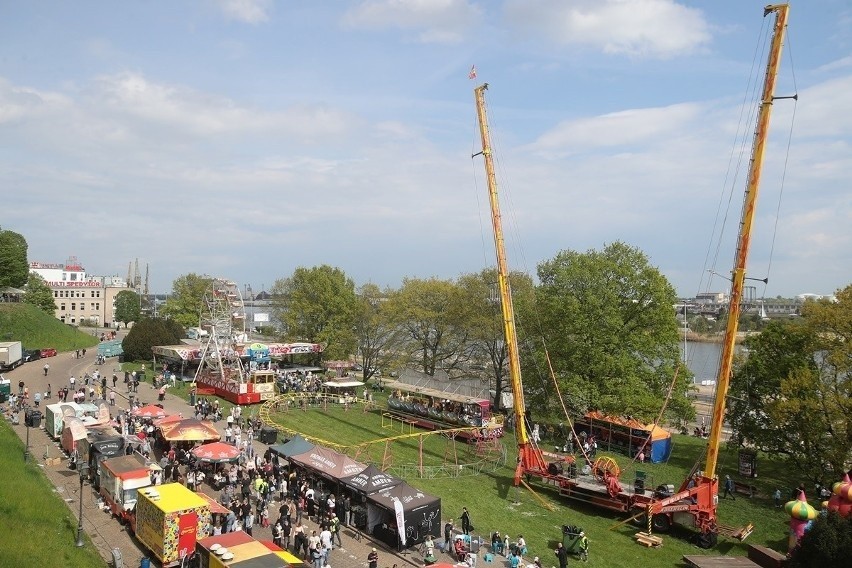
<point x="716" y="337"/>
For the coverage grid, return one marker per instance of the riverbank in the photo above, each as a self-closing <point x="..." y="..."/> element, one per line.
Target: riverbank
<point x="717" y="337"/>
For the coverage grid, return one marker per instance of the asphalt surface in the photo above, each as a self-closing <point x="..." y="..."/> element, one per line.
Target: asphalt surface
<point x="104" y="531"/>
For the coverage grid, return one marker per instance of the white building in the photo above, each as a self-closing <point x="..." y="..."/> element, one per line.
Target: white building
<point x="80" y="297"/>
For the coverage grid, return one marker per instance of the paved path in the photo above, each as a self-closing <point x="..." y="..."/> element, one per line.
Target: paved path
<point x="104" y="531"/>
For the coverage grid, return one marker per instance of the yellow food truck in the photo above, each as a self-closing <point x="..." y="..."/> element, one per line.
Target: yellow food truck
<point x="170" y="519"/>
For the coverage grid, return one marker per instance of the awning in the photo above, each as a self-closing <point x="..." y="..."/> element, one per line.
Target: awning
<point x="329" y="463"/>
<point x="297" y="445"/>
<point x="190" y="430"/>
<point x="370" y="480"/>
<point x="343" y="384"/>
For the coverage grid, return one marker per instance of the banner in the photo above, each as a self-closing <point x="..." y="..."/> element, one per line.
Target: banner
<point x="400" y="520"/>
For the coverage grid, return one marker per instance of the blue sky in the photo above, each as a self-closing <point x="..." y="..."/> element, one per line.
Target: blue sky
<point x="245" y="138"/>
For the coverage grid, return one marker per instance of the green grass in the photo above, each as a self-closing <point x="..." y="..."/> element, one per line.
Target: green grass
<point x="36" y="527"/>
<point x="36" y="330"/>
<point x="495" y="504"/>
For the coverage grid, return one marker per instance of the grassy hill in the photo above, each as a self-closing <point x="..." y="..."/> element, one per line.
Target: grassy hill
<point x="37" y="330"/>
<point x="29" y="505"/>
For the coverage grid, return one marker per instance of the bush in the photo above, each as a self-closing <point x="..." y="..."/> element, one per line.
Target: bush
<point x="146" y="334"/>
<point x="828" y="543"/>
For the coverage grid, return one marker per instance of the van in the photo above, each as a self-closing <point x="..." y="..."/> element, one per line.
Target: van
<point x="196" y="333"/>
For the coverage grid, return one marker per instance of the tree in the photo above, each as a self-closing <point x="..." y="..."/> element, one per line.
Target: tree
<point x="185" y="304"/>
<point x="827" y="543"/>
<point x="318" y="305"/>
<point x="484" y="318"/>
<point x="127" y="307"/>
<point x="378" y="337"/>
<point x="39" y="294"/>
<point x="147" y="333"/>
<point x="792" y="395"/>
<point x="612" y="335"/>
<point x="431" y="315"/>
<point x="14" y="268"/>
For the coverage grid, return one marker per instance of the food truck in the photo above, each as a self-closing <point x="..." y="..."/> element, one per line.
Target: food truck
<point x="237" y="549"/>
<point x="54" y="416"/>
<point x="120" y="480"/>
<point x="170" y="519"/>
<point x="101" y="442"/>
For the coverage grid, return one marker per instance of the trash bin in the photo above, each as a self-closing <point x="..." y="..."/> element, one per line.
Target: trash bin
<point x="117" y="561"/>
<point x="32" y="418"/>
<point x="571" y="538"/>
<point x="268" y="435"/>
<point x="145" y="563"/>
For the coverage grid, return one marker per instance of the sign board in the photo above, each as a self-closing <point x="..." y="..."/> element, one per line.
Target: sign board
<point x="261" y="317"/>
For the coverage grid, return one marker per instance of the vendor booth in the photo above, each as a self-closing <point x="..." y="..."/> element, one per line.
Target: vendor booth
<point x="370" y="480"/>
<point x="328" y="463"/>
<point x="402" y="515"/>
<point x="295" y="446"/>
<point x="626" y="435"/>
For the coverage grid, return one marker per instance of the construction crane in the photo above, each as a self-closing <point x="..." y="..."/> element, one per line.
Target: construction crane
<point x="694" y="504"/>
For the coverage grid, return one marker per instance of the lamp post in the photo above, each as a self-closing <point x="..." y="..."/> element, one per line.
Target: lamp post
<point x="82" y="468"/>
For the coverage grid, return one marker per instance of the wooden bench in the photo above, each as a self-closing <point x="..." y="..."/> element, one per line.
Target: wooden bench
<point x="745" y="489"/>
<point x="766" y="557"/>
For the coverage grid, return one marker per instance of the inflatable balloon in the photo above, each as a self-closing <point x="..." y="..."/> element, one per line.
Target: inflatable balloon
<point x="800" y="509"/>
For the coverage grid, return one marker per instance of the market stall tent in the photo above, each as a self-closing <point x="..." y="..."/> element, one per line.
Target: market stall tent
<point x="328" y="463"/>
<point x="420" y="515"/>
<point x="370" y="480"/>
<point x="295" y="446"/>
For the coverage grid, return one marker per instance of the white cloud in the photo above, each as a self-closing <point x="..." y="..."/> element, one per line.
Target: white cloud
<point x="648" y="28"/>
<point x="248" y="11"/>
<point x="623" y="128"/>
<point x="435" y="21"/>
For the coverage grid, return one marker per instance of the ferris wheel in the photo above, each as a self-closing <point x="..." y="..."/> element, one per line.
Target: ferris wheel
<point x="224" y="318"/>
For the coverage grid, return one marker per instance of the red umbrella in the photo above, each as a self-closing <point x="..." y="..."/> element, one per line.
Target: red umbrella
<point x="216" y="452"/>
<point x="168" y="420"/>
<point x="150" y="411"/>
<point x="190" y="430"/>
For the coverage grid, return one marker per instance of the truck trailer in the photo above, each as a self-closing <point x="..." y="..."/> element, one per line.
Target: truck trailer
<point x="11" y="355"/>
<point x="121" y="478"/>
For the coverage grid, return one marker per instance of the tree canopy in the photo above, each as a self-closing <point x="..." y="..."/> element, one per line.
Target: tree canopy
<point x="39" y="294"/>
<point x="792" y="395"/>
<point x="127" y="307"/>
<point x="608" y="322"/>
<point x="185" y="304"/>
<point x="379" y="340"/>
<point x="318" y="305"/>
<point x="147" y="333"/>
<point x="14" y="269"/>
<point x="827" y="543"/>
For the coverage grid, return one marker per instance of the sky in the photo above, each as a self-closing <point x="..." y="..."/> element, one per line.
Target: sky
<point x="243" y="139"/>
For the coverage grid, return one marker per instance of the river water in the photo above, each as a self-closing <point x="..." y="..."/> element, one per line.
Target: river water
<point x="703" y="359"/>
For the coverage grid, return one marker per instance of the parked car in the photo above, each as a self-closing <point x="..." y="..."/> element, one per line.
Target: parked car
<point x="48" y="352"/>
<point x="31" y="355"/>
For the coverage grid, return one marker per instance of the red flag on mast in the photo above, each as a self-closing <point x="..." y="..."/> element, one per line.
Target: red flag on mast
<point x="472" y="74"/>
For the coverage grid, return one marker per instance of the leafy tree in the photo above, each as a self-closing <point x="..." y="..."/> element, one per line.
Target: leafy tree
<point x="185" y="304"/>
<point x="378" y="337"/>
<point x="14" y="269"/>
<point x="127" y="307"/>
<point x="612" y="335"/>
<point x="39" y="294"/>
<point x="484" y="318"/>
<point x="827" y="544"/>
<point x="318" y="305"/>
<point x="431" y="315"/>
<point x="147" y="333"/>
<point x="792" y="395"/>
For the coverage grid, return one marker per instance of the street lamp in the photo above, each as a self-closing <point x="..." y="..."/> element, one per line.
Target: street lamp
<point x="82" y="469"/>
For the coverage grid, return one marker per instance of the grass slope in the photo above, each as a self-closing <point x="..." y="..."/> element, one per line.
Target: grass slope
<point x="36" y="527"/>
<point x="495" y="504"/>
<point x="37" y="330"/>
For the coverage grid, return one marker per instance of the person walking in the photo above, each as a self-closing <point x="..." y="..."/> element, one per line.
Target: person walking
<point x="465" y="520"/>
<point x="46" y="368"/>
<point x="448" y="533"/>
<point x="561" y="555"/>
<point x="729" y="488"/>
